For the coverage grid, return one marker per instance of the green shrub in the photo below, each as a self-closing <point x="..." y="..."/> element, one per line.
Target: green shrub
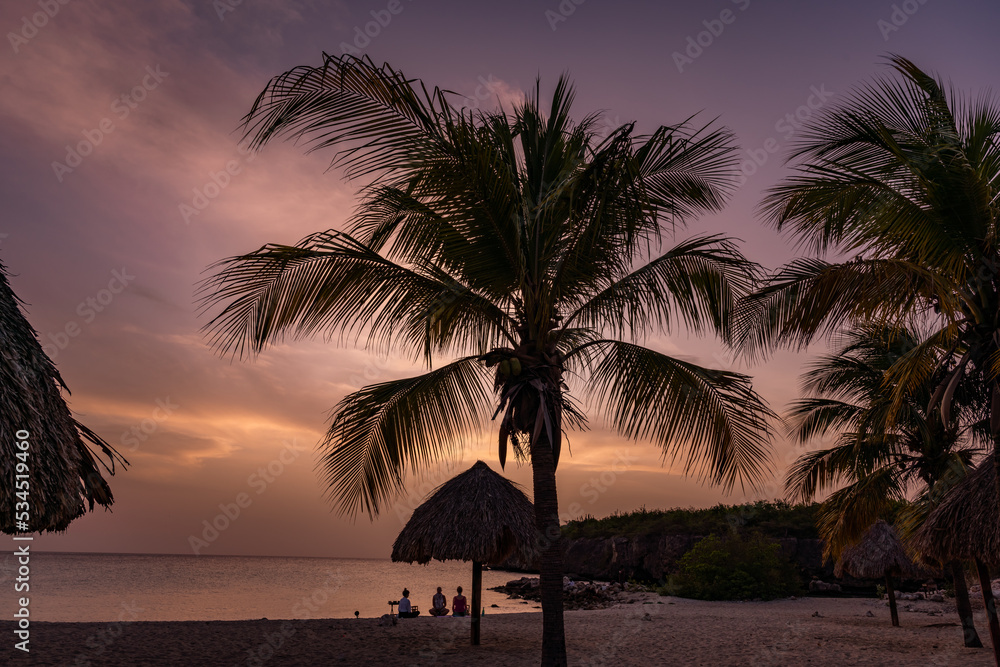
<point x="734" y="568"/>
<point x="776" y="519"/>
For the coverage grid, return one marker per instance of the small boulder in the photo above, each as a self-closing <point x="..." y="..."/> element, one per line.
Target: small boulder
<point x="821" y="586"/>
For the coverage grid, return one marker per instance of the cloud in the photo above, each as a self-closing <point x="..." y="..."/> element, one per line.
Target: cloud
<point x="121" y="207"/>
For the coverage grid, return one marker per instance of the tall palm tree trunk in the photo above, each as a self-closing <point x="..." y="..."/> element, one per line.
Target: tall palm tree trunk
<point x="995" y="428"/>
<point x="543" y="471"/>
<point x="984" y="573"/>
<point x="991" y="608"/>
<point x="964" y="606"/>
<point x="477" y="599"/>
<point x="994" y="424"/>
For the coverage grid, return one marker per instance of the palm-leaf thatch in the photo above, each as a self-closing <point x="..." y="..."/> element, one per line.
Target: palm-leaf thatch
<point x="476" y="516"/>
<point x="879" y="554"/>
<point x="966" y="525"/>
<point x="64" y="480"/>
<point x="879" y="551"/>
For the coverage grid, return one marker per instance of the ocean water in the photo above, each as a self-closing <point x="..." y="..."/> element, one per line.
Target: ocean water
<point x="141" y="587"/>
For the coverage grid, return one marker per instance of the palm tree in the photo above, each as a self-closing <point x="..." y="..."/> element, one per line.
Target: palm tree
<point x="879" y="457"/>
<point x="527" y="253"/>
<point x="902" y="179"/>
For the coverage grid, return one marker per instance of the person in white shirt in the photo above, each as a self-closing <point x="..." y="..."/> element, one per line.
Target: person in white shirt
<point x="405" y="610"/>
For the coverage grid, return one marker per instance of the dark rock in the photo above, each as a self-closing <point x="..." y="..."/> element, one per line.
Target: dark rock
<point x="817" y="586"/>
<point x="576" y="594"/>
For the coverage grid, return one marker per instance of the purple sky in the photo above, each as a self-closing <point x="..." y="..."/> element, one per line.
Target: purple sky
<point x="104" y="252"/>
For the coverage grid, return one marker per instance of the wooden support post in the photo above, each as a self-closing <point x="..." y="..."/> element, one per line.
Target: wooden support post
<point x="991" y="607"/>
<point x="892" y="600"/>
<point x="477" y="599"/>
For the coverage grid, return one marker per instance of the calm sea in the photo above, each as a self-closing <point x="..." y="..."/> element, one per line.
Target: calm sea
<point x="109" y="587"/>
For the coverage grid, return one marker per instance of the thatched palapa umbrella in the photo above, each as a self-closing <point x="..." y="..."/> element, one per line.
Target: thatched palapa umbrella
<point x="63" y="475"/>
<point x="478" y="516"/>
<point x="878" y="555"/>
<point x="966" y="526"/>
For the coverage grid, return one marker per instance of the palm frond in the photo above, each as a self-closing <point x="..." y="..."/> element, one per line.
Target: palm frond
<point x="816" y="417"/>
<point x="374" y="116"/>
<point x="379" y="432"/>
<point x="698" y="282"/>
<point x="811" y="298"/>
<point x="686" y="170"/>
<point x="818" y="471"/>
<point x="886" y="171"/>
<point x="632" y="188"/>
<point x="712" y="419"/>
<point x="331" y="281"/>
<point x="460" y="211"/>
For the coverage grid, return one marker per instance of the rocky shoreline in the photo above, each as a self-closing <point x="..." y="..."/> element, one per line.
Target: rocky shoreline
<point x="576" y="594"/>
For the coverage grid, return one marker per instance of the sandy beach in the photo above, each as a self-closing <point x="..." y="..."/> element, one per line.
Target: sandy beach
<point x="652" y="630"/>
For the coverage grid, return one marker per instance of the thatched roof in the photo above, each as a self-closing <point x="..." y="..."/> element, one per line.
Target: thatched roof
<point x="878" y="552"/>
<point x="966" y="525"/>
<point x="477" y="515"/>
<point x="64" y="476"/>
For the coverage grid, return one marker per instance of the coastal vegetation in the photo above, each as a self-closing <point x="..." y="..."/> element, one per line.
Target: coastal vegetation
<point x="734" y="567"/>
<point x="770" y="518"/>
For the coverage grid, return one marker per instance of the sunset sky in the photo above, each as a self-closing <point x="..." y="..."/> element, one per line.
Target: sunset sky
<point x="123" y="181"/>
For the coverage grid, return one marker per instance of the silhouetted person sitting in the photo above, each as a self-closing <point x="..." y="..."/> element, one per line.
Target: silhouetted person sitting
<point x="438" y="607"/>
<point x="459" y="607"/>
<point x="405" y="611"/>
